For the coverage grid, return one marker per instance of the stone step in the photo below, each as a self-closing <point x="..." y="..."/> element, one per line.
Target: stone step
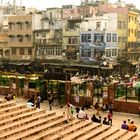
<point x="12" y="108"/>
<point x="27" y="114"/>
<point x="34" y="127"/>
<point x="136" y="138"/>
<point x="118" y="134"/>
<point x="95" y="132"/>
<point x="52" y="131"/>
<point x="7" y="104"/>
<point x="15" y="113"/>
<point x="27" y="120"/>
<point x="82" y="131"/>
<point x="106" y="134"/>
<point x="128" y="136"/>
<point x="73" y="129"/>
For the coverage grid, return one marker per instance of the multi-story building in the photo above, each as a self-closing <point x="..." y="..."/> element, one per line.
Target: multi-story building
<point x="132" y="35"/>
<point x="71" y="34"/>
<point x="78" y="12"/>
<point x="20" y="36"/>
<point x="48" y="40"/>
<point x="4" y="49"/>
<point x="54" y="13"/>
<point x="118" y="24"/>
<point x="99" y="38"/>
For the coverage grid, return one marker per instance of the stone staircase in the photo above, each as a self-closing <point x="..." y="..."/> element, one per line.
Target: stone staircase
<point x="19" y="122"/>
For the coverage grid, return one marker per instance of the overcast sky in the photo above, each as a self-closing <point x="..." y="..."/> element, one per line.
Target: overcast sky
<point x="43" y="4"/>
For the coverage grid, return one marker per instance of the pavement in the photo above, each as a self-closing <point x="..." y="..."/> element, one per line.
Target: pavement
<point x="118" y="117"/>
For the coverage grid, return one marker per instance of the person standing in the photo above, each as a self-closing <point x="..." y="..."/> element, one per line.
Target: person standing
<point x="38" y="101"/>
<point x="109" y="116"/>
<point x="50" y="99"/>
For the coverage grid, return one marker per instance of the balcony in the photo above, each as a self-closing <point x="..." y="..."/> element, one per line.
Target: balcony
<point x="71" y="32"/>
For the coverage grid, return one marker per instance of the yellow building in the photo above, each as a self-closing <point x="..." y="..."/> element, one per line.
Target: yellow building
<point x="122" y="33"/>
<point x="132" y="34"/>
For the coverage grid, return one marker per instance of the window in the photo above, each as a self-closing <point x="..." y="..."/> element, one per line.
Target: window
<point x="73" y="40"/>
<point x="119" y="39"/>
<point x="44" y="41"/>
<point x="119" y="25"/>
<point x="13" y="51"/>
<point x="108" y="53"/>
<point x="129" y="18"/>
<point x="124" y="24"/>
<point x="108" y="37"/>
<point x="43" y="34"/>
<point x="21" y="51"/>
<point x="27" y="37"/>
<point x="98" y="38"/>
<point x="135" y="19"/>
<point x="129" y="32"/>
<point x="114" y="38"/>
<point x="72" y="11"/>
<point x="78" y="11"/>
<point x="12" y="38"/>
<point x="98" y="25"/>
<point x="132" y="31"/>
<point x="86" y="38"/>
<point x="29" y="51"/>
<point x="27" y="25"/>
<point x="135" y="32"/>
<point x="114" y="52"/>
<point x="20" y="38"/>
<point x="124" y="39"/>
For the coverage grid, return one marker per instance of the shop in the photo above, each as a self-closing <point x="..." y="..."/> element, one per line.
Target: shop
<point x="81" y="91"/>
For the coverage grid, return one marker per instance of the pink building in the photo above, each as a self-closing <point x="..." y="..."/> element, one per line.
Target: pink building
<point x="109" y="8"/>
<point x="78" y="12"/>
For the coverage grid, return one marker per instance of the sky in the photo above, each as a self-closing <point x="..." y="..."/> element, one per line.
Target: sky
<point x="43" y="4"/>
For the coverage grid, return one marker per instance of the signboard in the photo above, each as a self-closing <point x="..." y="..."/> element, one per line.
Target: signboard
<point x="77" y="99"/>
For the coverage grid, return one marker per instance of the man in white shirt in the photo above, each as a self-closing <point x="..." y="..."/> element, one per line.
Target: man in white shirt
<point x="81" y="113"/>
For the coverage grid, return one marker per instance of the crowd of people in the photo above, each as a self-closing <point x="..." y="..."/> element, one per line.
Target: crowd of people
<point x="80" y="113"/>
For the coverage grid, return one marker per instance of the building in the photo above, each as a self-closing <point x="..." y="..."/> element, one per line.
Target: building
<point x="132" y="35"/>
<point x="71" y="42"/>
<point x="20" y="38"/>
<point x="98" y="38"/>
<point x="48" y="40"/>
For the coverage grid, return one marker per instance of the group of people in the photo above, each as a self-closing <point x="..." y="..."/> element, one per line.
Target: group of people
<point x="81" y="114"/>
<point x="10" y="96"/>
<point x="35" y="101"/>
<point x="130" y="126"/>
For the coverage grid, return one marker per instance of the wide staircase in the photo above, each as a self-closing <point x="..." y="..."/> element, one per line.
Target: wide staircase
<point x="19" y="122"/>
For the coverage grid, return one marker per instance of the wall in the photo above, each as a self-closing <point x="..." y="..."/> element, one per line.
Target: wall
<point x="128" y="107"/>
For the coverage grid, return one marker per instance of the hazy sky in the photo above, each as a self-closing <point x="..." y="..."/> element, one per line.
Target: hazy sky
<point x="42" y="4"/>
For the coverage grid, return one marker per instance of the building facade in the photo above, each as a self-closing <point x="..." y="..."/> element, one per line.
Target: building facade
<point x="20" y="38"/>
